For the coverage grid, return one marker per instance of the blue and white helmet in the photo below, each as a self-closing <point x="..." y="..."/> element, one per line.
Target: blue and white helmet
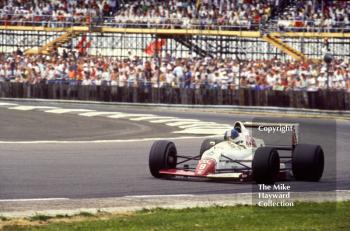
<point x="234" y="133"/>
<point x="231" y="134"/>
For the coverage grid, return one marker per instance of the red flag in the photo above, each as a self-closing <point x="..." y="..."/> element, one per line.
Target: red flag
<point x="88" y="44"/>
<point x="81" y="42"/>
<point x="155" y="46"/>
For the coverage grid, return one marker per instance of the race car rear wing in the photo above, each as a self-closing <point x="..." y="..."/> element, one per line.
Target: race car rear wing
<point x="294" y="128"/>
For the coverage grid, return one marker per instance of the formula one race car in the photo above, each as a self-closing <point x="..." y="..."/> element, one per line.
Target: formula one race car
<point x="240" y="156"/>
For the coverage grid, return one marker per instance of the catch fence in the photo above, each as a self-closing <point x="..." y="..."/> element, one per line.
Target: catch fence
<point x="321" y="99"/>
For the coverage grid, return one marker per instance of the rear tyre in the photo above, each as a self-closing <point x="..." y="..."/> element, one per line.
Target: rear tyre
<point x="163" y="155"/>
<point x="307" y="162"/>
<point x="207" y="144"/>
<point x="266" y="165"/>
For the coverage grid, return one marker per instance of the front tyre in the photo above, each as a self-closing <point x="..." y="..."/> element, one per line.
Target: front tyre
<point x="163" y="155"/>
<point x="266" y="165"/>
<point x="307" y="162"/>
<point x="208" y="144"/>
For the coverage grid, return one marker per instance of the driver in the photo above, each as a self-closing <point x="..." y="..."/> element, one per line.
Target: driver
<point x="234" y="136"/>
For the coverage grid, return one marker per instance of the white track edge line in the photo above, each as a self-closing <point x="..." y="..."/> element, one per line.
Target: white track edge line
<point x="100" y="141"/>
<point x="34" y="199"/>
<point x="158" y="196"/>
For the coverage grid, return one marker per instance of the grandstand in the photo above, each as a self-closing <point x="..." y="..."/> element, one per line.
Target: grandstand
<point x="204" y="27"/>
<point x="225" y="43"/>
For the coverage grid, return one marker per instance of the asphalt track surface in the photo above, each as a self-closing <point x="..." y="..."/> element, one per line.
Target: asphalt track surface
<point x="112" y="169"/>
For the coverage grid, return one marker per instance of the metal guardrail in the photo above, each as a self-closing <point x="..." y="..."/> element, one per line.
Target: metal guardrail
<point x="321" y="99"/>
<point x="291" y="25"/>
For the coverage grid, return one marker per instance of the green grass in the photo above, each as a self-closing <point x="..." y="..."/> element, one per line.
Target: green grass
<point x="61" y="216"/>
<point x="40" y="218"/>
<point x="303" y="216"/>
<point x="3" y="218"/>
<point x="86" y="214"/>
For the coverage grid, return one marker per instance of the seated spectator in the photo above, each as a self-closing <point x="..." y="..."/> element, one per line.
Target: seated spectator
<point x="229" y="14"/>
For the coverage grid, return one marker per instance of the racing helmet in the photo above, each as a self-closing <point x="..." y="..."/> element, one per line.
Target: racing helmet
<point x="231" y="134"/>
<point x="234" y="133"/>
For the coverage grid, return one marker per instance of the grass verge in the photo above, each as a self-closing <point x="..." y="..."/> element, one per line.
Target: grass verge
<point x="303" y="216"/>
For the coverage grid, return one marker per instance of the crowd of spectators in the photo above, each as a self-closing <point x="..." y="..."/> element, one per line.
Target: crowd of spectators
<point x="188" y="14"/>
<point x="196" y="73"/>
<point x="56" y="12"/>
<point x="248" y="14"/>
<point x="318" y="14"/>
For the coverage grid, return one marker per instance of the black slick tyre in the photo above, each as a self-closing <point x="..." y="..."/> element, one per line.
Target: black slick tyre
<point x="207" y="144"/>
<point x="266" y="165"/>
<point x="307" y="162"/>
<point x="163" y="155"/>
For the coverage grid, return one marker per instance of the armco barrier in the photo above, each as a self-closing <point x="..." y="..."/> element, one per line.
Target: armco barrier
<point x="322" y="99"/>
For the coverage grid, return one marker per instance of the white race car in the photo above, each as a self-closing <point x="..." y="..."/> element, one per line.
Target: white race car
<point x="240" y="156"/>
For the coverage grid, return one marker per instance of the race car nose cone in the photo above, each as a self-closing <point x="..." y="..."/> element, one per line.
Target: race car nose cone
<point x="204" y="167"/>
